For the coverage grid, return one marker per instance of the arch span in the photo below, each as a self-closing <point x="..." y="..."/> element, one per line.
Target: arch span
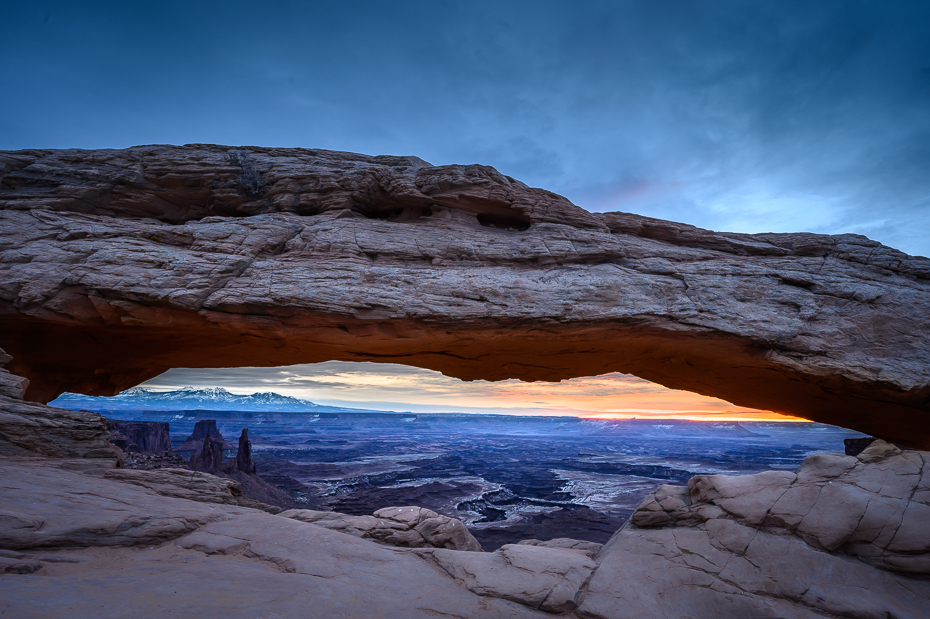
<point x="118" y="265"/>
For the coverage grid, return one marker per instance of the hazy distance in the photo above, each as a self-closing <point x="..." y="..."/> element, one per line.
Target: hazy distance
<point x="388" y="386"/>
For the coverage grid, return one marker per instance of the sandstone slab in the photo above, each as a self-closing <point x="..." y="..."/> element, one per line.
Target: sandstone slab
<point x="191" y="485"/>
<point x="729" y="570"/>
<point x="874" y="506"/>
<point x="45" y="506"/>
<point x="406" y="527"/>
<point x="550" y="579"/>
<point x="28" y="428"/>
<point x="257" y="567"/>
<point x="844" y="536"/>
<point x="590" y="549"/>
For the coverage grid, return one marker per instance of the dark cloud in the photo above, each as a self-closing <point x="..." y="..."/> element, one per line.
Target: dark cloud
<point x="732" y="115"/>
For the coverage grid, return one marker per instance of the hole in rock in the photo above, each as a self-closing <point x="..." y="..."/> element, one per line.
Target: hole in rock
<point x="512" y="460"/>
<point x="504" y="222"/>
<point x="399" y="214"/>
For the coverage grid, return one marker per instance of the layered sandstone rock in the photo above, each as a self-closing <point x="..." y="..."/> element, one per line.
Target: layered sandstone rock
<point x="117" y="265"/>
<point x="30" y="428"/>
<point x="191" y="485"/>
<point x="46" y="507"/>
<point x="875" y="506"/>
<point x="841" y="537"/>
<point x="406" y="527"/>
<point x="726" y="547"/>
<point x="550" y="579"/>
<point x="27" y="428"/>
<point x="591" y="549"/>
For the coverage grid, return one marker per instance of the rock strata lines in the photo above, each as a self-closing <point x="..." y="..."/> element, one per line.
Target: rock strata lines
<point x="116" y="265"/>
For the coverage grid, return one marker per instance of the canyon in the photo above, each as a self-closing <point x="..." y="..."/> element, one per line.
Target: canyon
<point x="116" y="265"/>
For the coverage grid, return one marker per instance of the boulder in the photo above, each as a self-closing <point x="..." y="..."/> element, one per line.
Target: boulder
<point x="875" y="506"/>
<point x="407" y="527"/>
<point x="116" y="265"/>
<point x="726" y="569"/>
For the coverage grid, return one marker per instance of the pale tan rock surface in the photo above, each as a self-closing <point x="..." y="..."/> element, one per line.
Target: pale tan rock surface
<point x="175" y="556"/>
<point x="45" y="506"/>
<point x="729" y="570"/>
<point x="590" y="549"/>
<point x="76" y="544"/>
<point x="117" y="265"/>
<point x="405" y="527"/>
<point x="191" y="485"/>
<point x="777" y="544"/>
<point x="875" y="506"/>
<point x="550" y="579"/>
<point x="256" y="578"/>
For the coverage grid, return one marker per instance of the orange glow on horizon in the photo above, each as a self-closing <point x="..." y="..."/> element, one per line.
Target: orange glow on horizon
<point x="384" y="386"/>
<point x="700" y="416"/>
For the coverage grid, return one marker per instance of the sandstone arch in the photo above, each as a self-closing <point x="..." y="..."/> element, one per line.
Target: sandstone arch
<point x="119" y="264"/>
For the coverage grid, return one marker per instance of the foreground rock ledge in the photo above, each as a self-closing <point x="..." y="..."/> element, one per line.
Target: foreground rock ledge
<point x="843" y="537"/>
<point x="117" y="265"/>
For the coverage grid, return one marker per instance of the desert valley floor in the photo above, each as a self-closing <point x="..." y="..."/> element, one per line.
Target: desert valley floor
<point x="507" y="478"/>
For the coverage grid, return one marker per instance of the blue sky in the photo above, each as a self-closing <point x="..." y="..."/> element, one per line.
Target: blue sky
<point x="731" y="115"/>
<point x="745" y="116"/>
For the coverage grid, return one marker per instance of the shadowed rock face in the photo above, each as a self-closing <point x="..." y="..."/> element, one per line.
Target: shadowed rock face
<point x="244" y="461"/>
<point x="120" y="264"/>
<point x="28" y="429"/>
<point x="144" y="437"/>
<point x="210" y="458"/>
<point x="203" y="429"/>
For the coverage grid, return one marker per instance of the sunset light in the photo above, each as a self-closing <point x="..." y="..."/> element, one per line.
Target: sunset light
<point x="384" y="386"/>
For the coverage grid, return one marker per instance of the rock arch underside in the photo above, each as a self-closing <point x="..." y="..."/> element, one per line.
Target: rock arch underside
<point x="120" y="264"/>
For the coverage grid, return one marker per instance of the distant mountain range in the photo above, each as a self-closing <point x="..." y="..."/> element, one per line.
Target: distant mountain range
<point x="187" y="398"/>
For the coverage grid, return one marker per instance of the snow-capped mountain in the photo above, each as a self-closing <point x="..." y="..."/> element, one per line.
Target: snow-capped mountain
<point x="187" y="398"/>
